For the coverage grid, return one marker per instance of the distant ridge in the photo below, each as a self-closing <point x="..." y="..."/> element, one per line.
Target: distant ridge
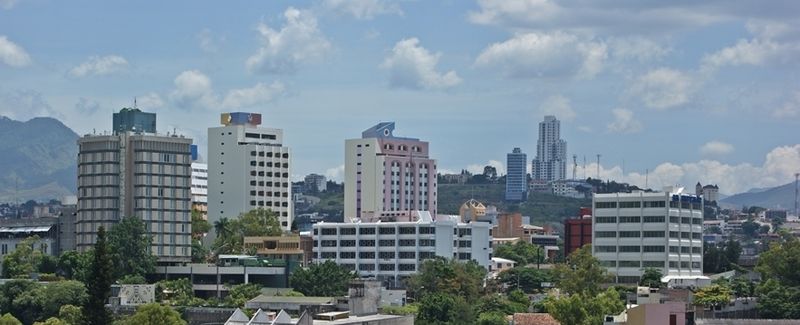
<point x="39" y="157"/>
<point x="779" y="197"/>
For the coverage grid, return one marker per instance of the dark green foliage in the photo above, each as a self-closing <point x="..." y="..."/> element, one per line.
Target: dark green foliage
<point x="723" y="258"/>
<point x="651" y="278"/>
<point x="200" y="226"/>
<point x="779" y="293"/>
<point x="241" y="293"/>
<point x="451" y="277"/>
<point x="129" y="245"/>
<point x="44" y="301"/>
<point x="583" y="309"/>
<point x="581" y="273"/>
<point x="325" y="279"/>
<point x="23" y="260"/>
<point x="441" y="308"/>
<point x="13" y="289"/>
<point x="527" y="279"/>
<point x="231" y="232"/>
<point x="101" y="275"/>
<point x="75" y="265"/>
<point x="522" y="252"/>
<point x="153" y="314"/>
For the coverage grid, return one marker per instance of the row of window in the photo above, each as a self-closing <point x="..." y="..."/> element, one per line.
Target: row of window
<point x="383" y="231"/>
<point x="658" y="264"/>
<point x="646" y="249"/>
<point x="649" y="219"/>
<point x="268" y="154"/>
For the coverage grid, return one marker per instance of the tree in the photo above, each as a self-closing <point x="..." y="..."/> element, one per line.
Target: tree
<point x="24" y="260"/>
<point x="712" y="296"/>
<point x="153" y="314"/>
<point x="13" y="289"/>
<point x="129" y="244"/>
<point x="581" y="273"/>
<point x="52" y="321"/>
<point x="8" y="319"/>
<point x="75" y="265"/>
<point x="242" y="293"/>
<point x="439" y="275"/>
<point x="750" y="228"/>
<point x="524" y="278"/>
<point x="441" y="308"/>
<point x="101" y="276"/>
<point x="521" y="252"/>
<point x="582" y="309"/>
<point x="71" y="314"/>
<point x="493" y="318"/>
<point x="325" y="279"/>
<point x="200" y="226"/>
<point x="43" y="302"/>
<point x="778" y="302"/>
<point x="231" y="233"/>
<point x="781" y="262"/>
<point x="651" y="278"/>
<point x="199" y="252"/>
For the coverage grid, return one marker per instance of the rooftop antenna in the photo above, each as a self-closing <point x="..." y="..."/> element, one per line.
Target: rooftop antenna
<point x="584" y="167"/>
<point x="598" y="166"/>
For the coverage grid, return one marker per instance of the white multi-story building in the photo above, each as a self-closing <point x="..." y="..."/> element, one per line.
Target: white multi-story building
<point x="200" y="187"/>
<point x="248" y="168"/>
<point x="661" y="230"/>
<point x="551" y="152"/>
<point x="391" y="251"/>
<point x="135" y="173"/>
<point x="387" y="177"/>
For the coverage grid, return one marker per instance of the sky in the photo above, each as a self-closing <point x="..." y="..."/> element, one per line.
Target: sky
<point x="667" y="92"/>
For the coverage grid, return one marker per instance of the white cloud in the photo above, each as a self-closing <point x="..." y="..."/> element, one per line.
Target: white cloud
<point x="248" y="97"/>
<point x="412" y="66"/>
<point x="12" y="54"/>
<point x="624" y="17"/>
<point x="335" y="174"/>
<point x="299" y="41"/>
<point x="362" y="9"/>
<point x="716" y="148"/>
<point x="208" y="42"/>
<point x="194" y="89"/>
<point x="664" y="88"/>
<point x="752" y="52"/>
<point x="475" y="169"/>
<point x="8" y="4"/>
<point x="99" y="66"/>
<point x="150" y="101"/>
<point x="559" y="106"/>
<point x="790" y="109"/>
<point x="545" y="55"/>
<point x="26" y="104"/>
<point x="778" y="168"/>
<point x="624" y="122"/>
<point x="87" y="106"/>
<point x="637" y="48"/>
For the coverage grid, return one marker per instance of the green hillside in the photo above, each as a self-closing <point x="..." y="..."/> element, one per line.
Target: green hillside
<point x="542" y="208"/>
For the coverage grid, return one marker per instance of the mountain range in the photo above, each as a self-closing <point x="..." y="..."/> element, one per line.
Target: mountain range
<point x="38" y="159"/>
<point x="779" y="197"/>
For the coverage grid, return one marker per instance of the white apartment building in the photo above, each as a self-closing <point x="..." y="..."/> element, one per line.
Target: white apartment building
<point x="662" y="230"/>
<point x="200" y="187"/>
<point x="391" y="251"/>
<point x="248" y="168"/>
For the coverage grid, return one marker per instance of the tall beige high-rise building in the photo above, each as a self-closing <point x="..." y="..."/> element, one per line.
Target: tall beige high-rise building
<point x="134" y="173"/>
<point x="387" y="177"/>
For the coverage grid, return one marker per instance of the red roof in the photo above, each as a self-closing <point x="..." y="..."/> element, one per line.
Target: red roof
<point x="534" y="319"/>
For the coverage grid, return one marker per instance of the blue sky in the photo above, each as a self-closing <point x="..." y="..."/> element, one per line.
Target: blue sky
<point x="690" y="91"/>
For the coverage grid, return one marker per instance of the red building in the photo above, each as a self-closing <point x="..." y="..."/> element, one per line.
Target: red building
<point x="578" y="231"/>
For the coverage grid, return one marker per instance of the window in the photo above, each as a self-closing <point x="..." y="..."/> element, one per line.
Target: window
<point x="347" y="231"/>
<point x="673" y="264"/>
<point x="366" y="242"/>
<point x="697" y="221"/>
<point x="630" y="249"/>
<point x="695" y="265"/>
<point x="686" y="235"/>
<point x="674" y="249"/>
<point x="328" y="243"/>
<point x="674" y="234"/>
<point x="653" y="249"/>
<point x="328" y="255"/>
<point x="606" y="249"/>
<point x="654" y="204"/>
<point x="652" y="263"/>
<point x="686" y="220"/>
<point x="605" y="219"/>
<point x="427" y="242"/>
<point x="629" y="264"/>
<point x="407" y="242"/>
<point x="427" y="230"/>
<point x="653" y="219"/>
<point x="695" y="250"/>
<point x="366" y="254"/>
<point x="630" y="219"/>
<point x="386" y="231"/>
<point x="347" y="243"/>
<point x="408" y="230"/>
<point x="636" y="204"/>
<point x="605" y="205"/>
<point x="386" y="242"/>
<point x="386" y="255"/>
<point x="367" y="231"/>
<point x="329" y="231"/>
<point x="387" y="267"/>
<point x="629" y="234"/>
<point x="696" y="235"/>
<point x="653" y="234"/>
<point x="674" y="220"/>
<point x="347" y="255"/>
<point x="408" y="255"/>
<point x="685" y="250"/>
<point x="464" y="256"/>
<point x="684" y="265"/>
<point x="608" y="263"/>
<point x="605" y="234"/>
<point x="366" y="267"/>
<point x="407" y="267"/>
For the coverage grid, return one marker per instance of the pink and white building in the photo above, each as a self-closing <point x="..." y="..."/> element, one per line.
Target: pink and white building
<point x="388" y="178"/>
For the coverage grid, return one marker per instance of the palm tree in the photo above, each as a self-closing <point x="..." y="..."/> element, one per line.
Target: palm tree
<point x="223" y="228"/>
